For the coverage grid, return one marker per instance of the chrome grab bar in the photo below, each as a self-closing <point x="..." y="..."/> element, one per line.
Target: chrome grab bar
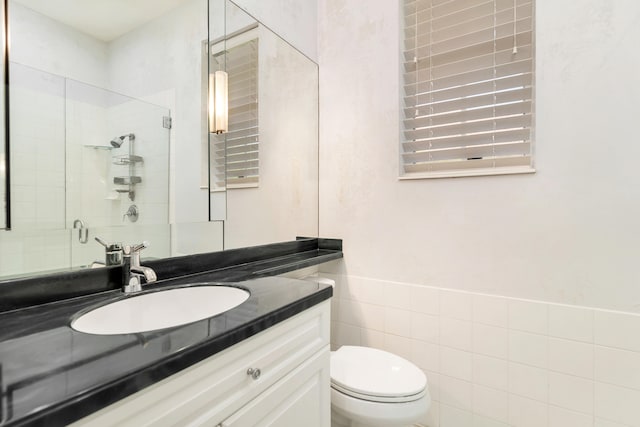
<point x="81" y="238"/>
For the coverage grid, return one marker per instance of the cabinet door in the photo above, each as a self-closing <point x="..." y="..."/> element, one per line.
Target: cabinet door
<point x="300" y="398"/>
<point x="216" y="388"/>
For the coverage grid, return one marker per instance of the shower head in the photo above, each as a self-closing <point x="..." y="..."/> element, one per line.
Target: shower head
<point x="118" y="140"/>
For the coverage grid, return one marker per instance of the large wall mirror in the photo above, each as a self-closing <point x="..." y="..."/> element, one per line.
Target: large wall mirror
<point x="110" y="136"/>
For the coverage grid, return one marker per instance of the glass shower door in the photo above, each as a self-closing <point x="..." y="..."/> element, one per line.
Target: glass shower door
<point x="117" y="172"/>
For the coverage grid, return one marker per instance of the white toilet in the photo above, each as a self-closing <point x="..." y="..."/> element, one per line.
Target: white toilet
<point x="374" y="388"/>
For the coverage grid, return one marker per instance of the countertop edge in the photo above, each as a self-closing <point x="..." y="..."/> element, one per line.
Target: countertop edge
<point x="80" y="406"/>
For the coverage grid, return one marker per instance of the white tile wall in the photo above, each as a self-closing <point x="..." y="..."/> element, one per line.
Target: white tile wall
<point x="571" y="357"/>
<point x="617" y="404"/>
<point x="38" y="149"/>
<point x="499" y="361"/>
<point x="528" y="316"/>
<point x="572" y="323"/>
<point x="571" y="392"/>
<point x="524" y="412"/>
<point x="559" y="417"/>
<point x="528" y="381"/>
<point x="34" y="250"/>
<point x="615" y="329"/>
<point x="490" y="310"/>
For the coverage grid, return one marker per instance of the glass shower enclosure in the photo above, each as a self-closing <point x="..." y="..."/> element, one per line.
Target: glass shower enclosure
<point x="86" y="162"/>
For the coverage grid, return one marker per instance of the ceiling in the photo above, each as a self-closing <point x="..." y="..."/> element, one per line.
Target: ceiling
<point x="105" y="20"/>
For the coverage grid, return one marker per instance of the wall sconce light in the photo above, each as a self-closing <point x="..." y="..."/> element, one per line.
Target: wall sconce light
<point x="218" y="102"/>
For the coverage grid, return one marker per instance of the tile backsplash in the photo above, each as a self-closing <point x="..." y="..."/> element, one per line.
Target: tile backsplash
<point x="498" y="361"/>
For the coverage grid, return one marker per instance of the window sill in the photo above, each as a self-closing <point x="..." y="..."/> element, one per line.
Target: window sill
<point x="231" y="187"/>
<point x="468" y="173"/>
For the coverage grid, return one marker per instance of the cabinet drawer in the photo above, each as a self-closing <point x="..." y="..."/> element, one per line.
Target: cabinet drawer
<point x="210" y="391"/>
<point x="303" y="394"/>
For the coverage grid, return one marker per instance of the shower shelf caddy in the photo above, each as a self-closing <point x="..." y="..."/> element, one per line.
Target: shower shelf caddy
<point x="126" y="159"/>
<point x="129" y="160"/>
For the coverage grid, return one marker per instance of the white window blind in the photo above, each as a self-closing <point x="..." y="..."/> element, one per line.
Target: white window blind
<point x="235" y="153"/>
<point x="468" y="87"/>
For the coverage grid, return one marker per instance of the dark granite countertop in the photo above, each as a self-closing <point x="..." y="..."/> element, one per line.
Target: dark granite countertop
<point x="52" y="375"/>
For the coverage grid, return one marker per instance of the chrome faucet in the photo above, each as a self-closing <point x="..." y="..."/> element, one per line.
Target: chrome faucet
<point x="112" y="256"/>
<point x="133" y="273"/>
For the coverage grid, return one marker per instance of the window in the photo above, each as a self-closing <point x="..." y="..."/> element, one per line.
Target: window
<point x="235" y="153"/>
<point x="468" y="88"/>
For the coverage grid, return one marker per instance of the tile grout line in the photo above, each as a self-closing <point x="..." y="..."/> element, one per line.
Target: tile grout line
<point x="439" y="355"/>
<point x="473" y="371"/>
<point x="548" y="316"/>
<point x="508" y="357"/>
<point x="593" y="368"/>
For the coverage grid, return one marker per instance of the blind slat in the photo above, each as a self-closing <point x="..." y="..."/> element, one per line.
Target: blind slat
<point x="250" y="122"/>
<point x="486" y="112"/>
<point x="457" y="165"/>
<point x="516" y="148"/>
<point x="460" y="129"/>
<point x="497" y="72"/>
<point x="482" y="93"/>
<point x="242" y="182"/>
<point x="504" y="135"/>
<point x="251" y="155"/>
<point x="233" y="135"/>
<point x="242" y="148"/>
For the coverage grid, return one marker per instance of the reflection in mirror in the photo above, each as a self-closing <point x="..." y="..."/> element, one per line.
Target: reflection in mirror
<point x="268" y="160"/>
<point x="137" y="73"/>
<point x="103" y="156"/>
<point x="105" y="133"/>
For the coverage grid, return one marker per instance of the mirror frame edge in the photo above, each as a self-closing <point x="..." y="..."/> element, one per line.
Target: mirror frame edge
<point x="5" y="101"/>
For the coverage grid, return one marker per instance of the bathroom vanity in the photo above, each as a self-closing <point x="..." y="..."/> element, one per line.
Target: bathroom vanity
<point x="265" y="360"/>
<point x="278" y="377"/>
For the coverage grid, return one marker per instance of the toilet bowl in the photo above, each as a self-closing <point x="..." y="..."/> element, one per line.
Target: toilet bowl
<point x="374" y="388"/>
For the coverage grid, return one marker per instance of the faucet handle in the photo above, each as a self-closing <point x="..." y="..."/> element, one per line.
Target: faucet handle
<point x="132" y="249"/>
<point x="139" y="247"/>
<point x="109" y="246"/>
<point x="113" y="252"/>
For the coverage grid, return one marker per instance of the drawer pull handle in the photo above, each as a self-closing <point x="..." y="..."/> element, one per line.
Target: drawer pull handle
<point x="254" y="373"/>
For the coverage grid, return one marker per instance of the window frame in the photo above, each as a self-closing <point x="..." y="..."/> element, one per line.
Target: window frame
<point x="212" y="49"/>
<point x="467" y="170"/>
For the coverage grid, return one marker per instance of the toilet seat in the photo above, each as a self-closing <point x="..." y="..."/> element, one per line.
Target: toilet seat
<point x="379" y="399"/>
<point x="376" y="376"/>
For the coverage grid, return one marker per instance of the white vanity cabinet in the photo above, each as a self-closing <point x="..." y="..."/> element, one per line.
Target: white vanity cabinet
<point x="291" y="388"/>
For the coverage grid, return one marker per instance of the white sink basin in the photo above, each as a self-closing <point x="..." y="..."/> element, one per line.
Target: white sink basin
<point x="158" y="310"/>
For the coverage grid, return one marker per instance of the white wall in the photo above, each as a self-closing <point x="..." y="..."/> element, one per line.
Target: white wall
<point x="161" y="62"/>
<point x="53" y="47"/>
<point x="285" y="204"/>
<point x="469" y="277"/>
<point x="565" y="234"/>
<point x="294" y="20"/>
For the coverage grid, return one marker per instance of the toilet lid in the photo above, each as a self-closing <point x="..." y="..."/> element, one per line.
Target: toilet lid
<point x="375" y="373"/>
